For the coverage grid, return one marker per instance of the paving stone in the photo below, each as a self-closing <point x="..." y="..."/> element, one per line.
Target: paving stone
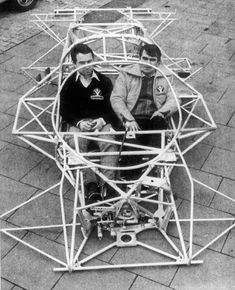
<point x="6" y="135"/>
<point x="17" y="161"/>
<point x="223" y="137"/>
<point x="44" y="210"/>
<point x="214" y="41"/>
<point x="204" y="231"/>
<point x="220" y="113"/>
<point x="42" y="41"/>
<point x="228" y="98"/>
<point x="198" y="60"/>
<point x="222" y="84"/>
<point x="5" y="120"/>
<point x="221" y="64"/>
<point x="28" y="269"/>
<point x="8" y="99"/>
<point x="8" y="243"/>
<point x="196" y="157"/>
<point x="35" y="119"/>
<point x="195" y="10"/>
<point x="16" y="29"/>
<point x="52" y="58"/>
<point x="229" y="29"/>
<point x="13" y="193"/>
<point x="226" y="10"/>
<point x="220" y="162"/>
<point x="25" y="87"/>
<point x="5" y="285"/>
<point x="230" y="46"/>
<point x="4" y="57"/>
<point x="193" y="122"/>
<point x="218" y="74"/>
<point x="138" y="254"/>
<point x="216" y="273"/>
<point x="2" y="144"/>
<point x="70" y="193"/>
<point x="93" y="244"/>
<point x="181" y="185"/>
<point x="232" y="121"/>
<point x="26" y="50"/>
<point x="111" y="279"/>
<point x="45" y="175"/>
<point x="200" y="19"/>
<point x="216" y="28"/>
<point x="221" y="203"/>
<point x="229" y="245"/>
<point x="210" y="91"/>
<point x="24" y="114"/>
<point x="16" y="63"/>
<point x="142" y="283"/>
<point x="49" y="148"/>
<point x="195" y="31"/>
<point x="178" y="34"/>
<point x="11" y="86"/>
<point x="17" y="288"/>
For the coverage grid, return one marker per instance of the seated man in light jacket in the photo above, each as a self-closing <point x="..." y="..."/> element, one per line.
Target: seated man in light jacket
<point x="141" y="97"/>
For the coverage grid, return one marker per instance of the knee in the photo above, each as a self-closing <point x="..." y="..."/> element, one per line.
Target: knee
<point x="158" y="123"/>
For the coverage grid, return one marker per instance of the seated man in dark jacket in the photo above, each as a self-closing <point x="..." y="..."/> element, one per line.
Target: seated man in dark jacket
<point x="85" y="107"/>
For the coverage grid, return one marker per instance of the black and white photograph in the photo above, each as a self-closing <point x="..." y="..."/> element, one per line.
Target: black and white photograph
<point x="117" y="133"/>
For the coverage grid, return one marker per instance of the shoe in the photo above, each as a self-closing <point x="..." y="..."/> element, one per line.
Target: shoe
<point x="93" y="197"/>
<point x="107" y="192"/>
<point x="92" y="193"/>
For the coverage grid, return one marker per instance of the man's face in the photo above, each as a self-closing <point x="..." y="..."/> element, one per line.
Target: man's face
<point x="83" y="59"/>
<point x="153" y="60"/>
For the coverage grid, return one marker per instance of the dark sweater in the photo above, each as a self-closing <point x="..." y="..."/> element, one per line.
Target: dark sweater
<point x="78" y="102"/>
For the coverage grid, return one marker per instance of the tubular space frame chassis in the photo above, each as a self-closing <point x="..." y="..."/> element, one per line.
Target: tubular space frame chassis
<point x="132" y="20"/>
<point x="72" y="162"/>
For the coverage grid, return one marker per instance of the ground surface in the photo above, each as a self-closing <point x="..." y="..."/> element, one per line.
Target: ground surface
<point x="205" y="33"/>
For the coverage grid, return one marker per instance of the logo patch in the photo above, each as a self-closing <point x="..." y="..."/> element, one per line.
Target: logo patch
<point x="97" y="94"/>
<point x="160" y="89"/>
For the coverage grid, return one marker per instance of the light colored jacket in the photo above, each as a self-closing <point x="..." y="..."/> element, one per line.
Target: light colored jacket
<point x="127" y="90"/>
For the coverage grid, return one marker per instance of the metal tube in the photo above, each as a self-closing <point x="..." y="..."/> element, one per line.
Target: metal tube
<point x="35" y="249"/>
<point x="29" y="200"/>
<point x="121" y="266"/>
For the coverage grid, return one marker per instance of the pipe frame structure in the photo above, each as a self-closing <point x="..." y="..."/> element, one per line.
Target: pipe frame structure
<point x="64" y="153"/>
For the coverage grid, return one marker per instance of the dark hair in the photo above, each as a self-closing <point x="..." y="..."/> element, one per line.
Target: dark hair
<point x="152" y="50"/>
<point x="80" y="48"/>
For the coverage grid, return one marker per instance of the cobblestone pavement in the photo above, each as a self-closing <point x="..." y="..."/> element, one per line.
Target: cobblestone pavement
<point x="204" y="32"/>
<point x="15" y="27"/>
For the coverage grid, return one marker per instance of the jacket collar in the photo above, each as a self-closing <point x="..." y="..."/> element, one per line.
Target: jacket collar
<point x="135" y="70"/>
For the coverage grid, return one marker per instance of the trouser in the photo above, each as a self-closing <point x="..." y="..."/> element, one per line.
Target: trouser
<point x="153" y="140"/>
<point x="106" y="160"/>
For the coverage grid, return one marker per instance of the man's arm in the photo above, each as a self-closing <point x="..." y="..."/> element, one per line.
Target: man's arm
<point x="67" y="108"/>
<point x="119" y="98"/>
<point x="108" y="113"/>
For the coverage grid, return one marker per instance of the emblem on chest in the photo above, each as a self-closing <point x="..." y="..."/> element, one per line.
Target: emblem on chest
<point x="160" y="89"/>
<point x="97" y="94"/>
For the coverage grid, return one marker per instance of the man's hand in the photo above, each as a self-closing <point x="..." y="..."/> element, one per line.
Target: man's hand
<point x="98" y="124"/>
<point x="86" y="126"/>
<point x="132" y="126"/>
<point x="157" y="114"/>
